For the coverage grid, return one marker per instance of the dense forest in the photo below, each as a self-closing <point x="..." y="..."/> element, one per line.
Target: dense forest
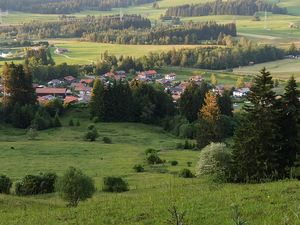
<point x="76" y="28"/>
<point x="219" y="7"/>
<point x="131" y="29"/>
<point x="215" y="58"/>
<point x="66" y="6"/>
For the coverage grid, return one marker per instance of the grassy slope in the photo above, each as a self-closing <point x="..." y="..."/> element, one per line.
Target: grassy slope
<point x="152" y="192"/>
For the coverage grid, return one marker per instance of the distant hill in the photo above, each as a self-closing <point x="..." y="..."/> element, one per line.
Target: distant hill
<point x="66" y="6"/>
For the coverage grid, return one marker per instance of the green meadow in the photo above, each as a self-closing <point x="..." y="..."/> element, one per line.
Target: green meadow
<point x="151" y="193"/>
<point x="88" y="52"/>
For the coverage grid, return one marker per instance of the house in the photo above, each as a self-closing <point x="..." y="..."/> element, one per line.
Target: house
<point x="197" y="78"/>
<point x="81" y="87"/>
<point x="69" y="79"/>
<point x="45" y="99"/>
<point x="164" y="82"/>
<point x="55" y="83"/>
<point x="171" y="76"/>
<point x="219" y="89"/>
<point x="61" y="50"/>
<point x="56" y="92"/>
<point x="87" y="81"/>
<point x="150" y="74"/>
<point x="242" y="92"/>
<point x="71" y="99"/>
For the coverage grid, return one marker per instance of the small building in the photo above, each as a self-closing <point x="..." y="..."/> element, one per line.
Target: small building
<point x="70" y="99"/>
<point x="55" y="83"/>
<point x="150" y="74"/>
<point x="242" y="92"/>
<point x="56" y="92"/>
<point x="61" y="50"/>
<point x="69" y="79"/>
<point x="171" y="76"/>
<point x="87" y="81"/>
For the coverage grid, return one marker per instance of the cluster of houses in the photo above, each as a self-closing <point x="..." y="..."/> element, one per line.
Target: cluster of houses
<point x="72" y="90"/>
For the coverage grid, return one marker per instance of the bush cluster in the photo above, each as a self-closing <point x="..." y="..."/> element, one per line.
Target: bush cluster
<point x="114" y="184"/>
<point x="5" y="184"/>
<point x="186" y="173"/>
<point x="36" y="184"/>
<point x="138" y="168"/>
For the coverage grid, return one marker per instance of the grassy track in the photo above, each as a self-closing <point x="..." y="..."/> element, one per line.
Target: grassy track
<point x="152" y="192"/>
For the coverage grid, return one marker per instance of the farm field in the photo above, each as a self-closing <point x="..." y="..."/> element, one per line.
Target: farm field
<point x="152" y="192"/>
<point x="281" y="69"/>
<point x="87" y="52"/>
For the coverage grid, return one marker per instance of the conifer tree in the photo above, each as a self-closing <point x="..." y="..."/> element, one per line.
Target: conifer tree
<point x="289" y="123"/>
<point x="192" y="100"/>
<point x="97" y="101"/>
<point x="255" y="148"/>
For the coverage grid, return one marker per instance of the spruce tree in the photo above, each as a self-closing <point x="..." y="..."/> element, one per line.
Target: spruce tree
<point x="289" y="127"/>
<point x="255" y="148"/>
<point x="97" y="101"/>
<point x="192" y="100"/>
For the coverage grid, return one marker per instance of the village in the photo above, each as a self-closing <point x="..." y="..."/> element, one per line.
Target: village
<point x="72" y="90"/>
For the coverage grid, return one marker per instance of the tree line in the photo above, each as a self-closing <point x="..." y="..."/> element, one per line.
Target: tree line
<point x="76" y="28"/>
<point x="132" y="29"/>
<point x="188" y="33"/>
<point x="219" y="7"/>
<point x="136" y="102"/>
<point x="66" y="6"/>
<point x="215" y="58"/>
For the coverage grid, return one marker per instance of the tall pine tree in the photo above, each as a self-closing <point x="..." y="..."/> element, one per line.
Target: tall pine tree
<point x="255" y="148"/>
<point x="289" y="127"/>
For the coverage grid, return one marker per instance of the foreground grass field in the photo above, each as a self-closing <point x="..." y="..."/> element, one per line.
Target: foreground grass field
<point x="152" y="193"/>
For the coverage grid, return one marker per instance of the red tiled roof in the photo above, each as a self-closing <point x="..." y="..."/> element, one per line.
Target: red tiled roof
<point x="151" y="72"/>
<point x="69" y="78"/>
<point x="50" y="90"/>
<point x="70" y="99"/>
<point x="87" y="80"/>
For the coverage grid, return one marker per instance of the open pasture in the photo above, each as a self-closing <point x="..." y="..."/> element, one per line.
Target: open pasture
<point x="152" y="192"/>
<point x="281" y="69"/>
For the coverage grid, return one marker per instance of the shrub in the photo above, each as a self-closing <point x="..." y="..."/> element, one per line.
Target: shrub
<point x="214" y="160"/>
<point x="150" y="151"/>
<point x="34" y="185"/>
<point x="189" y="164"/>
<point x="153" y="158"/>
<point x="5" y="184"/>
<point x="78" y="123"/>
<point x="107" y="140"/>
<point x="32" y="134"/>
<point x="114" y="184"/>
<point x="96" y="119"/>
<point x="74" y="186"/>
<point x="186" y="173"/>
<point x="71" y="123"/>
<point x="174" y="163"/>
<point x="138" y="168"/>
<point x="91" y="135"/>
